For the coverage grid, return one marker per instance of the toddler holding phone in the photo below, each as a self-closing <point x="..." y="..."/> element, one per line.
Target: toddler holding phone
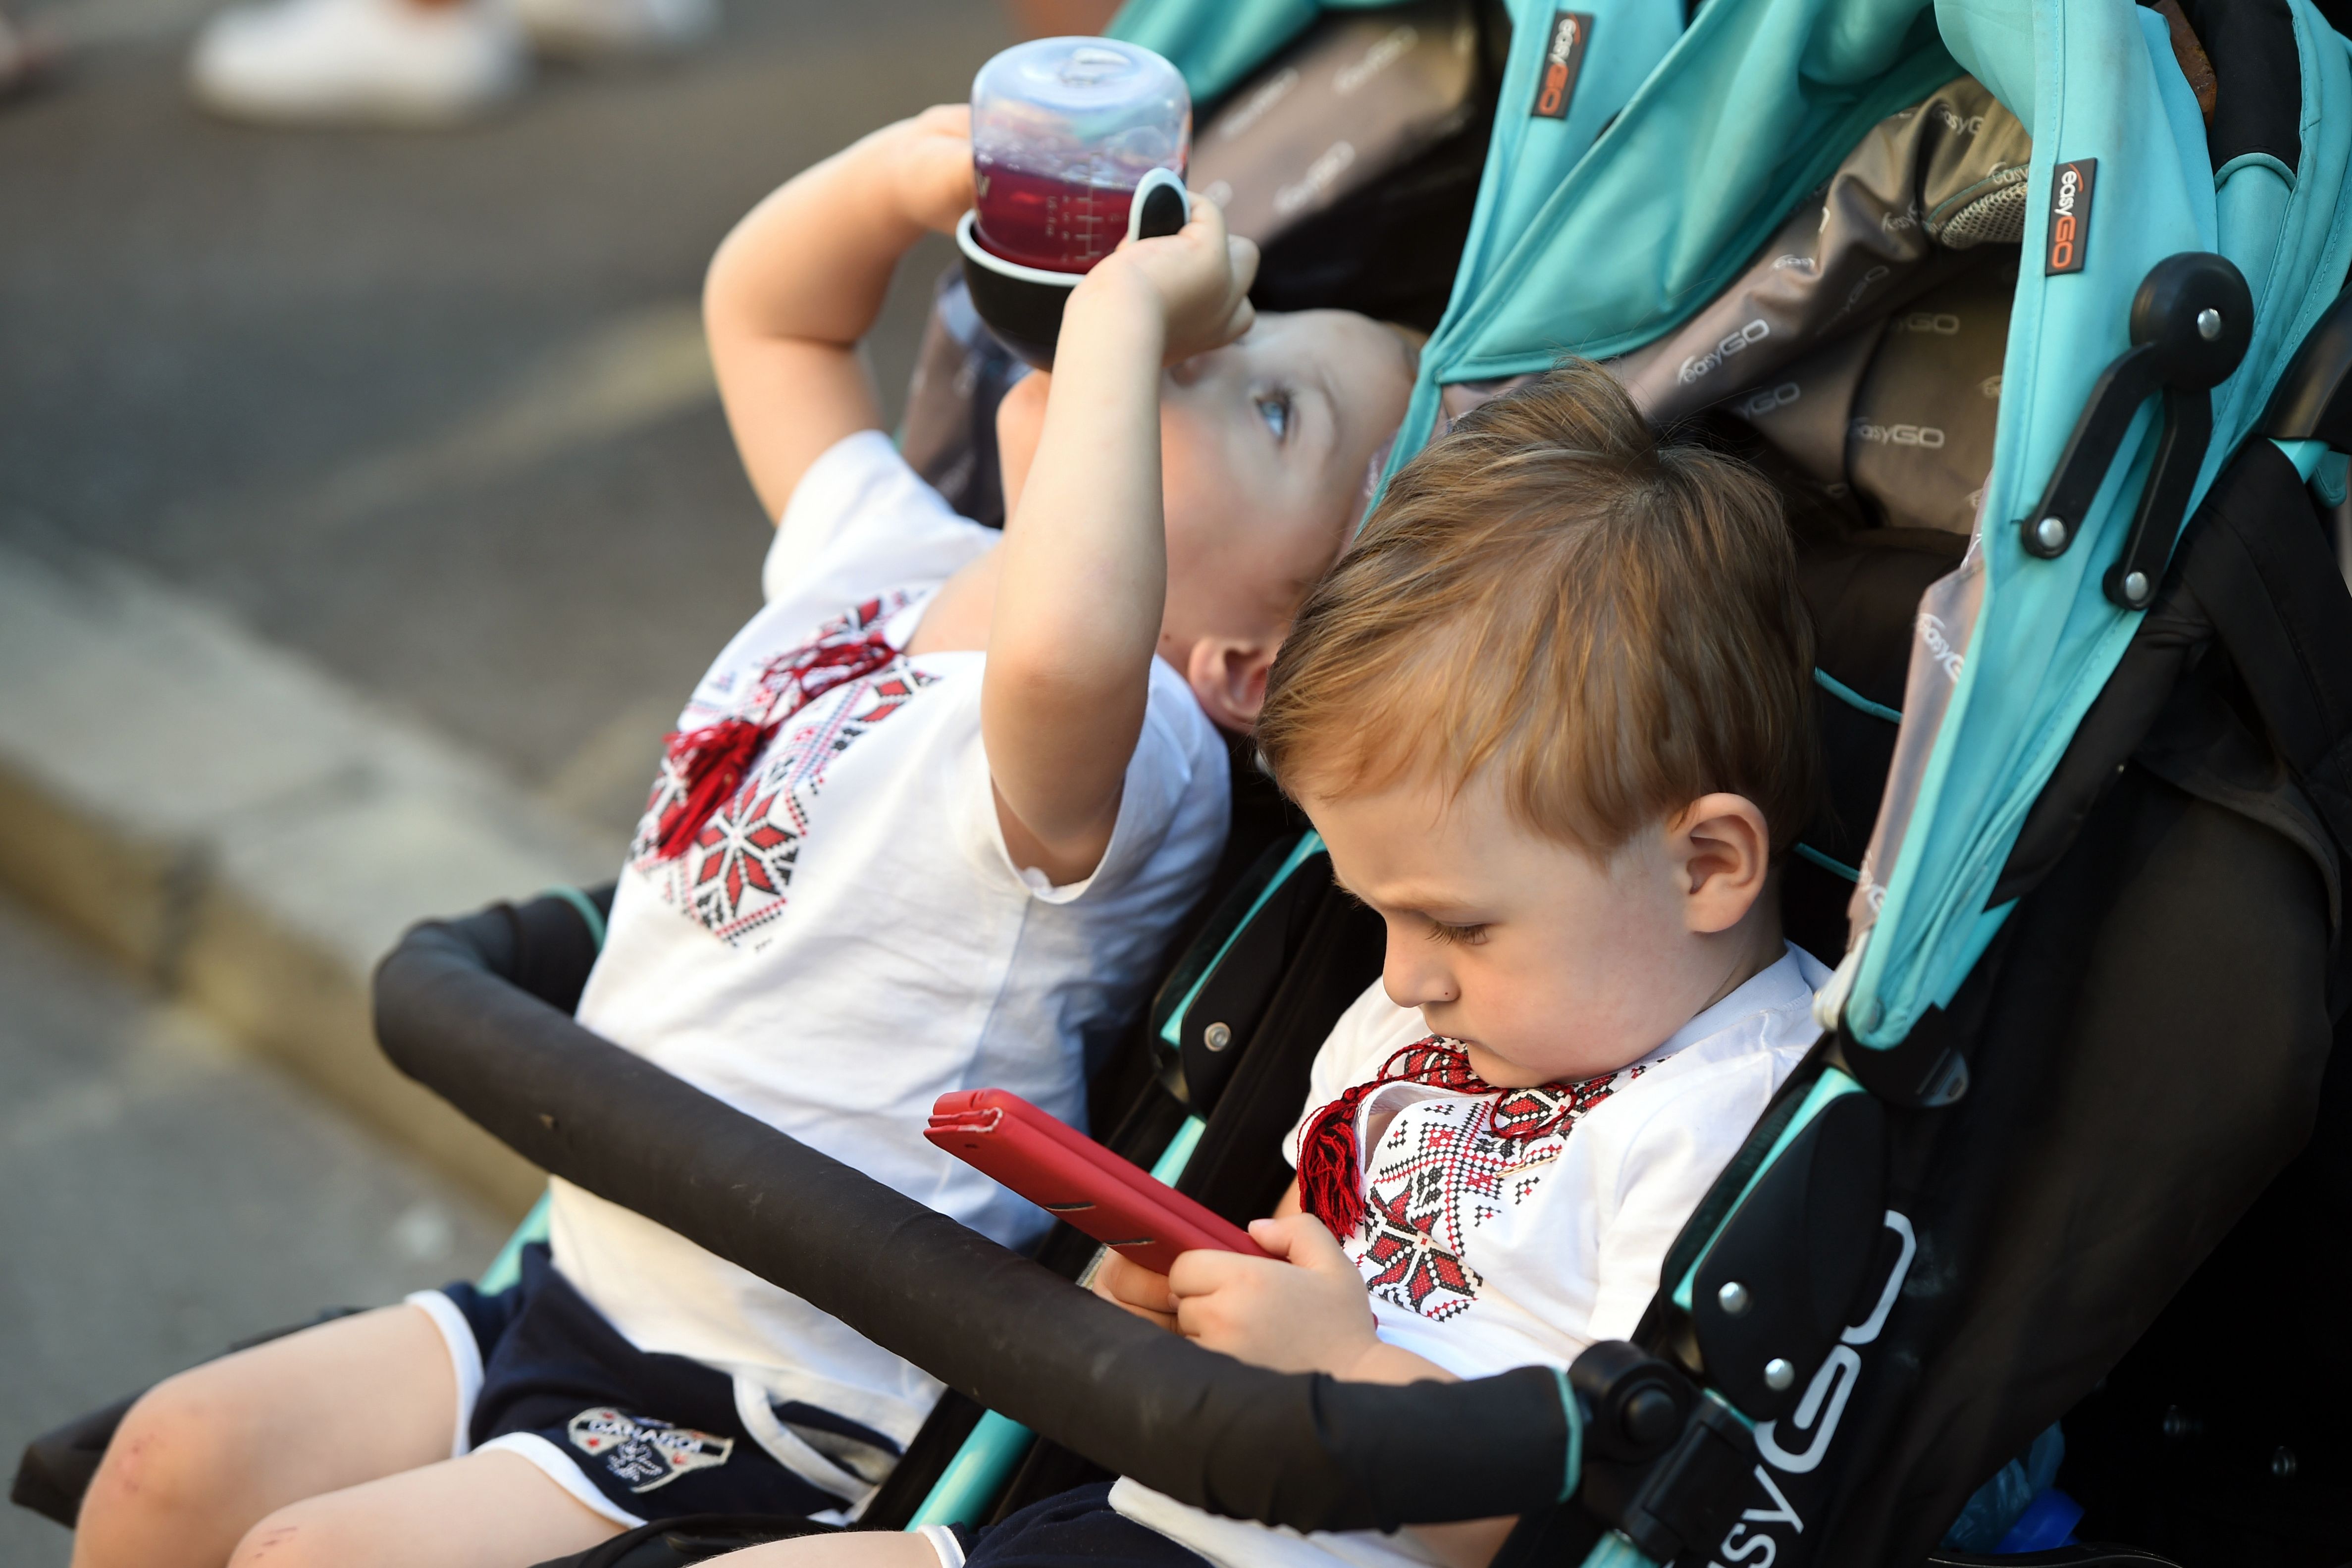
<point x="928" y="824"/>
<point x="1551" y="714"/>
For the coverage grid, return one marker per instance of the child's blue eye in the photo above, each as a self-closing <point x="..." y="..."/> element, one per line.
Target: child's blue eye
<point x="1275" y="411"/>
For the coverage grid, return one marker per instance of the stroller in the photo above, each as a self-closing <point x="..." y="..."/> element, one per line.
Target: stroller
<point x="2072" y="1129"/>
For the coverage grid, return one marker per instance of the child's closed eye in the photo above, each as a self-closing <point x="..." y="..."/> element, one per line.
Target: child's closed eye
<point x="1468" y="935"/>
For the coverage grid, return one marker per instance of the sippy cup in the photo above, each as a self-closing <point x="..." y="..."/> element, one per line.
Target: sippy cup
<point x="1076" y="143"/>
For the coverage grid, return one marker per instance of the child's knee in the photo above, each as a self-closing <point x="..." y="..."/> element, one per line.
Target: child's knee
<point x="300" y="1535"/>
<point x="171" y="1454"/>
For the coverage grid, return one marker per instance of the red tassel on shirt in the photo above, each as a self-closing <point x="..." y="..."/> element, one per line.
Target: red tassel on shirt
<point x="1330" y="1183"/>
<point x="1330" y="1161"/>
<point x="711" y="761"/>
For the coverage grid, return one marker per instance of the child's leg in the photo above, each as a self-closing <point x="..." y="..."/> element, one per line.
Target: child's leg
<point x="852" y="1548"/>
<point x="491" y="1509"/>
<point x="204" y="1456"/>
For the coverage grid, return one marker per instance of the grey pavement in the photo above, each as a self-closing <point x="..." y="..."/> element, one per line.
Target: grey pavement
<point x="431" y="410"/>
<point x="419" y="428"/>
<point x="365" y="507"/>
<point x="168" y="1195"/>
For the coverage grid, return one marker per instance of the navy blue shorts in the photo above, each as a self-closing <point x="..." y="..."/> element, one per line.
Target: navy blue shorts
<point x="634" y="1435"/>
<point x="1077" y="1527"/>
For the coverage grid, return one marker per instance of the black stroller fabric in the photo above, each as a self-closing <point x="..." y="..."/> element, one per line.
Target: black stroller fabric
<point x="2147" y="1039"/>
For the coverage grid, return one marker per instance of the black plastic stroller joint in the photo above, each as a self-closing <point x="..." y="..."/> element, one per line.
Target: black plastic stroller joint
<point x="1687" y="1498"/>
<point x="1663" y="1461"/>
<point x="2190" y="323"/>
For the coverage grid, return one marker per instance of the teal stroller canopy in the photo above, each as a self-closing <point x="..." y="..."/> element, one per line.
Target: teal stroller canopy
<point x="1610" y="213"/>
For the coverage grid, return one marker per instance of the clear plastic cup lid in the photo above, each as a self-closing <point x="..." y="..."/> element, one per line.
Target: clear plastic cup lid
<point x="1083" y="110"/>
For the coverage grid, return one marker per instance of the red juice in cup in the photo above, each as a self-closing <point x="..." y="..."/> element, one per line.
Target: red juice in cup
<point x="1062" y="131"/>
<point x="1041" y="220"/>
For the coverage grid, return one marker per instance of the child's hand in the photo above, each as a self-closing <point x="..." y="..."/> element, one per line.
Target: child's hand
<point x="929" y="165"/>
<point x="1304" y="1310"/>
<point x="1130" y="1287"/>
<point x="1198" y="279"/>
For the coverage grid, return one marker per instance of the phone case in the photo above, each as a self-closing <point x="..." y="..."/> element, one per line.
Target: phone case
<point x="1060" y="1169"/>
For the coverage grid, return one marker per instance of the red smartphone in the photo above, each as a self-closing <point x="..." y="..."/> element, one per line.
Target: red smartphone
<point x="1063" y="1171"/>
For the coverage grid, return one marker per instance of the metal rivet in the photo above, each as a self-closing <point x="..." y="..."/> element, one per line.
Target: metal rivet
<point x="2282" y="1464"/>
<point x="2209" y="323"/>
<point x="2051" y="533"/>
<point x="1732" y="1297"/>
<point x="1217" y="1036"/>
<point x="1779" y="1373"/>
<point x="2135" y="587"/>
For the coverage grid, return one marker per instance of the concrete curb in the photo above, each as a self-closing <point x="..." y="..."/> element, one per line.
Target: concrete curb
<point x="248" y="832"/>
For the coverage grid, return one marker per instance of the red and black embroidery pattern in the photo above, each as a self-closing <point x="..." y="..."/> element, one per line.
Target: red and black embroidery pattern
<point x="731" y="874"/>
<point x="1447" y="1164"/>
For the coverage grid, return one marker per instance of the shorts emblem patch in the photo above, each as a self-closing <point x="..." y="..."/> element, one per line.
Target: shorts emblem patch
<point x="644" y="1453"/>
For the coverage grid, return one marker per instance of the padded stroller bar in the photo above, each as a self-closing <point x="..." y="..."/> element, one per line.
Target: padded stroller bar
<point x="1307" y="1451"/>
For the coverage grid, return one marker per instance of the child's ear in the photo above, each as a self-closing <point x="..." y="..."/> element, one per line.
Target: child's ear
<point x="1228" y="675"/>
<point x="1725" y="851"/>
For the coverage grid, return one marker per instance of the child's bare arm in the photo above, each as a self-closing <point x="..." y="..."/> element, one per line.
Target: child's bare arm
<point x="1084" y="582"/>
<point x="800" y="280"/>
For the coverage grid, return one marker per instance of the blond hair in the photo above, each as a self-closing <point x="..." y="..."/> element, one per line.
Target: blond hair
<point x="1609" y="620"/>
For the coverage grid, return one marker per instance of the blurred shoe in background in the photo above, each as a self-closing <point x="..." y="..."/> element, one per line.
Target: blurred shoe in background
<point x="369" y="62"/>
<point x="414" y="62"/>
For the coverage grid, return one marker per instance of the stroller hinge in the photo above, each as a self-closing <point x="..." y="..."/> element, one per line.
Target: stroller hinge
<point x="2191" y="322"/>
<point x="1685" y="1498"/>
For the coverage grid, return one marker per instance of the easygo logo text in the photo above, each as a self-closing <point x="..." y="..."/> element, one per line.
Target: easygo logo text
<point x="1796" y="1445"/>
<point x="1563" y="57"/>
<point x="2070" y="217"/>
<point x="1697" y="365"/>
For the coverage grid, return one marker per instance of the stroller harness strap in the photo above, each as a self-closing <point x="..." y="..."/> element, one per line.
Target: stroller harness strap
<point x="2277" y="602"/>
